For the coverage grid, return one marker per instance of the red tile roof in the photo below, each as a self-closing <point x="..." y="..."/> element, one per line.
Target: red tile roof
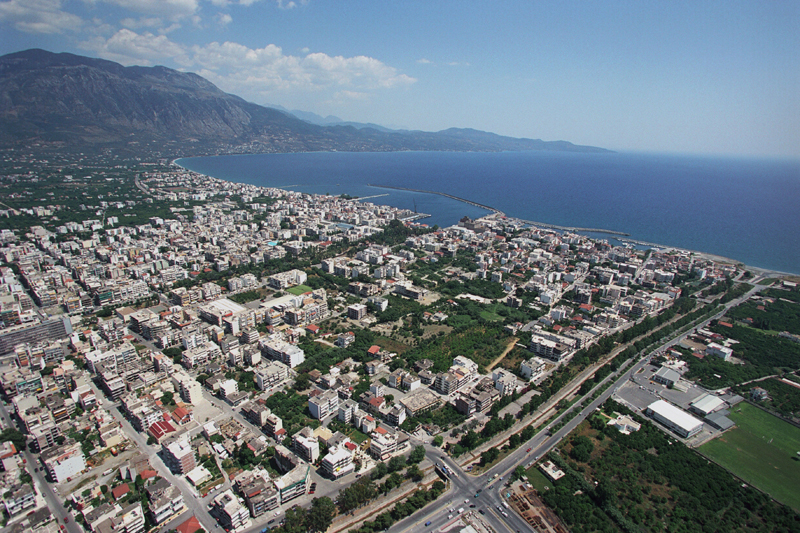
<point x="119" y="492"/>
<point x="190" y="526"/>
<point x="374" y="349"/>
<point x="160" y="428"/>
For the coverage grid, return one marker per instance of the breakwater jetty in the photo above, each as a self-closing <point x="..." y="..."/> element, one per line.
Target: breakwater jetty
<point x="470" y="202"/>
<point x="497" y="212"/>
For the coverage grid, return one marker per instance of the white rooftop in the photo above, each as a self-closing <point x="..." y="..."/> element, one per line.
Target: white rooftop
<point x="677" y="416"/>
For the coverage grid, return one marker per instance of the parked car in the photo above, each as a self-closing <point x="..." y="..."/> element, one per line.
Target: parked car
<point x="428" y="523"/>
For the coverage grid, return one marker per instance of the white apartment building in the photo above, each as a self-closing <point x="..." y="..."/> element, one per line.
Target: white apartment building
<point x="338" y="462"/>
<point x="323" y="405"/>
<point x="382" y="445"/>
<point x="272" y="375"/>
<point x="305" y="445"/>
<point x="229" y="512"/>
<point x="63" y="462"/>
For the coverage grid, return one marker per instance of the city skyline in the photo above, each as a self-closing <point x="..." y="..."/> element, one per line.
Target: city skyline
<point x="711" y="78"/>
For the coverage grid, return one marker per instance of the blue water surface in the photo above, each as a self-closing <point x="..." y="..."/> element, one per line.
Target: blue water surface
<point x="745" y="209"/>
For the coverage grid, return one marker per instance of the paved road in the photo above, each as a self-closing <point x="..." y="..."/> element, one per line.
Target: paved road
<point x="54" y="502"/>
<point x="190" y="496"/>
<point x="464" y="487"/>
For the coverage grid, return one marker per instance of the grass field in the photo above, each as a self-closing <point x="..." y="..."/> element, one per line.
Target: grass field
<point x="762" y="450"/>
<point x="491" y="317"/>
<point x="538" y="480"/>
<point x="299" y="289"/>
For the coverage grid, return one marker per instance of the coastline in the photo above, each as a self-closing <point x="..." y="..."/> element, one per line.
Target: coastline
<point x="767" y="272"/>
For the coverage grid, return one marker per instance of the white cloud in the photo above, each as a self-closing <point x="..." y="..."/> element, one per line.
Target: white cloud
<point x="223" y="19"/>
<point x="130" y="48"/>
<point x="305" y="50"/>
<point x="352" y="95"/>
<point x="39" y="16"/>
<point x="169" y="9"/>
<point x="424" y="61"/>
<point x="282" y="4"/>
<point x="172" y="27"/>
<point x="141" y="22"/>
<point x="254" y="73"/>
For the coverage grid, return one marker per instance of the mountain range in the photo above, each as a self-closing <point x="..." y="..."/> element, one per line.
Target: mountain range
<point x="69" y="102"/>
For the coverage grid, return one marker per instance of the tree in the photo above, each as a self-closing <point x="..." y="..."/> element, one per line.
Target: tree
<point x="489" y="456"/>
<point x="151" y="440"/>
<point x="15" y="437"/>
<point x="438" y="440"/>
<point x="104" y="489"/>
<point x="321" y="514"/>
<point x="167" y="398"/>
<point x="398" y="462"/>
<point x="413" y="472"/>
<point x="301" y="382"/>
<point x="519" y="472"/>
<point x="379" y="471"/>
<point x="417" y="455"/>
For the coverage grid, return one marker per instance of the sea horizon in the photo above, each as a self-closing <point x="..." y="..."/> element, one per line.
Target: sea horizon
<point x="738" y="208"/>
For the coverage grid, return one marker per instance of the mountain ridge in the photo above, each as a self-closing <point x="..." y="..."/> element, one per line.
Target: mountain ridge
<point x="66" y="101"/>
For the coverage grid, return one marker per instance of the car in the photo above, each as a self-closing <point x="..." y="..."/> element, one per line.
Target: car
<point x="427" y="523"/>
<point x="466" y="501"/>
<point x="472" y="506"/>
<point x="479" y="491"/>
<point x="66" y="520"/>
<point x="528" y="450"/>
<point x="271" y="521"/>
<point x="481" y="511"/>
<point x="449" y="516"/>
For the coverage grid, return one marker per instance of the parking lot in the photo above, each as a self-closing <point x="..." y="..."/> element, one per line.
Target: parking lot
<point x="641" y="391"/>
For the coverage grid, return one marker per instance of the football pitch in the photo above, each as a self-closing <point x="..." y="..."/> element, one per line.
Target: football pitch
<point x="299" y="289"/>
<point x="762" y="450"/>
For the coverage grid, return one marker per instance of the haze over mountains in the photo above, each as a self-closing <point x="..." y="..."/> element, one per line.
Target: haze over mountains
<point x="70" y="102"/>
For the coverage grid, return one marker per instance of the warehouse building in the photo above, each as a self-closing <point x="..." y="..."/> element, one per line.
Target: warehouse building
<point x="676" y="420"/>
<point x="706" y="404"/>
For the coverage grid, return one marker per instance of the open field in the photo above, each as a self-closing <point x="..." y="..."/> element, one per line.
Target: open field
<point x="762" y="450"/>
<point x="538" y="480"/>
<point x="299" y="289"/>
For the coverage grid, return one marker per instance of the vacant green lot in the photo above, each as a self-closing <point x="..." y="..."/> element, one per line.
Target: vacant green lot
<point x="538" y="480"/>
<point x="299" y="289"/>
<point x="762" y="450"/>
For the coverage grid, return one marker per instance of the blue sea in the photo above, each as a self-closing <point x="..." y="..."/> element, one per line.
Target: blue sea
<point x="744" y="209"/>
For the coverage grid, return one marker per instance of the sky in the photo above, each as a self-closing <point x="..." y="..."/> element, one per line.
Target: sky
<point x="698" y="77"/>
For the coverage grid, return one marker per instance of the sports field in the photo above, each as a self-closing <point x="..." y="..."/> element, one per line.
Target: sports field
<point x="299" y="289"/>
<point x="762" y="450"/>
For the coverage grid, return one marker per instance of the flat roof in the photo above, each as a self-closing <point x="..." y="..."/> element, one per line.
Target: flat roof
<point x="668" y="374"/>
<point x="676" y="416"/>
<point x="708" y="403"/>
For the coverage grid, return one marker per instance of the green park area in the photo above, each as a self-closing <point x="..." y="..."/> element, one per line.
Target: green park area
<point x="299" y="289"/>
<point x="762" y="450"/>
